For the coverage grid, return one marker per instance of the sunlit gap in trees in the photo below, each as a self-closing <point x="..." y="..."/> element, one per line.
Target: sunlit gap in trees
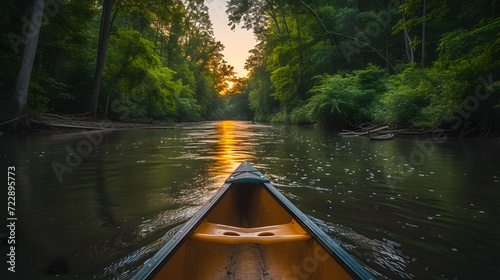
<point x="227" y="89"/>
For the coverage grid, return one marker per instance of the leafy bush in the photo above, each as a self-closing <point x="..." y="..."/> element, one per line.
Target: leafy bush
<point x="44" y="90"/>
<point x="407" y="101"/>
<point x="284" y="85"/>
<point x="337" y="99"/>
<point x="371" y="79"/>
<point x="299" y="115"/>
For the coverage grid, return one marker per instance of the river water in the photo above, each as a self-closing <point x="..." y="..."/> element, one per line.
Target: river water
<point x="97" y="205"/>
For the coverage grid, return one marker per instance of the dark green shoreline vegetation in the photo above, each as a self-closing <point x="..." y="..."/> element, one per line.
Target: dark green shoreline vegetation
<point x="334" y="64"/>
<point x="354" y="62"/>
<point x="162" y="61"/>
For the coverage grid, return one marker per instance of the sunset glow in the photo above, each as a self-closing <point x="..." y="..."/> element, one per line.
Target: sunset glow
<point x="237" y="42"/>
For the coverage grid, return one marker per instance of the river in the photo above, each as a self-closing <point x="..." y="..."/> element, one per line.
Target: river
<point x="96" y="205"/>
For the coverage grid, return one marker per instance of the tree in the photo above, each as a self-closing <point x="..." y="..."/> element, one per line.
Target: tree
<point x="410" y="10"/>
<point x="160" y="62"/>
<point x="423" y="33"/>
<point x="28" y="57"/>
<point x="101" y="53"/>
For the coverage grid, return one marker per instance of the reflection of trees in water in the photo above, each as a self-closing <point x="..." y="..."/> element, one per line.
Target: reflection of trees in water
<point x="34" y="246"/>
<point x="103" y="200"/>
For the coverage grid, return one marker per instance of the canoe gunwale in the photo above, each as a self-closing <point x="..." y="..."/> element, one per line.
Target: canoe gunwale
<point x="156" y="263"/>
<point x="351" y="266"/>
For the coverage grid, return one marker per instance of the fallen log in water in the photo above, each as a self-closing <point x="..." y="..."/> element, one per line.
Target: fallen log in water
<point x="67" y="125"/>
<point x="362" y="133"/>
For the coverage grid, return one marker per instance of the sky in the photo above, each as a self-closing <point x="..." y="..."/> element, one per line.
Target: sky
<point x="237" y="42"/>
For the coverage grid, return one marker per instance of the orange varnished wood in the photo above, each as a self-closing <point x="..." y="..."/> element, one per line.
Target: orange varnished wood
<point x="289" y="232"/>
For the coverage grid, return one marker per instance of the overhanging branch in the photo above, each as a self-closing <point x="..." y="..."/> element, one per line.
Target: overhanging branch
<point x="332" y="38"/>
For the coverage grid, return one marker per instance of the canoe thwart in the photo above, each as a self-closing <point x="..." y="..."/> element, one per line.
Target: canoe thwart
<point x="263" y="235"/>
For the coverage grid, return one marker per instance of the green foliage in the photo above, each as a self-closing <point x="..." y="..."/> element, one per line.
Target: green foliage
<point x="429" y="97"/>
<point x="42" y="91"/>
<point x="403" y="104"/>
<point x="260" y="90"/>
<point x="435" y="10"/>
<point x="236" y="108"/>
<point x="371" y="79"/>
<point x="330" y="63"/>
<point x="162" y="60"/>
<point x="133" y="68"/>
<point x="284" y="84"/>
<point x="467" y="59"/>
<point x="299" y="115"/>
<point x="187" y="108"/>
<point x="236" y="105"/>
<point x="336" y="100"/>
<point x="347" y="45"/>
<point x="36" y="103"/>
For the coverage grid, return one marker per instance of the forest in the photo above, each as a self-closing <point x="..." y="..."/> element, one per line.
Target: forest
<point x="159" y="60"/>
<point x="334" y="64"/>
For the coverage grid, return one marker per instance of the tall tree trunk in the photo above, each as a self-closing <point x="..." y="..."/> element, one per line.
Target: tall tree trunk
<point x="423" y="34"/>
<point x="301" y="84"/>
<point x="273" y="16"/>
<point x="386" y="44"/>
<point x="156" y="38"/>
<point x="408" y="40"/>
<point x="29" y="51"/>
<point x="101" y="53"/>
<point x="169" y="46"/>
<point x="161" y="43"/>
<point x="285" y="25"/>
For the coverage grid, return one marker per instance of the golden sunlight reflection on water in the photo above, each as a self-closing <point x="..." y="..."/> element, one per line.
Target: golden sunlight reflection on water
<point x="234" y="145"/>
<point x="128" y="197"/>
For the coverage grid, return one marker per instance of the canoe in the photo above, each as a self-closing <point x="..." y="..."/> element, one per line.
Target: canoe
<point x="249" y="230"/>
<point x="387" y="136"/>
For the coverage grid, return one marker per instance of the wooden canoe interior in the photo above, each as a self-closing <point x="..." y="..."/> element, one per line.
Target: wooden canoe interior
<point x="249" y="205"/>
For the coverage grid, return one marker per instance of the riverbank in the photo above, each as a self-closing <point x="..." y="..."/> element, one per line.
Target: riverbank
<point x="69" y="122"/>
<point x="54" y="122"/>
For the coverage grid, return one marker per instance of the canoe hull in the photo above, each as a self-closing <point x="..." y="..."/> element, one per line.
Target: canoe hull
<point x="205" y="260"/>
<point x="248" y="203"/>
